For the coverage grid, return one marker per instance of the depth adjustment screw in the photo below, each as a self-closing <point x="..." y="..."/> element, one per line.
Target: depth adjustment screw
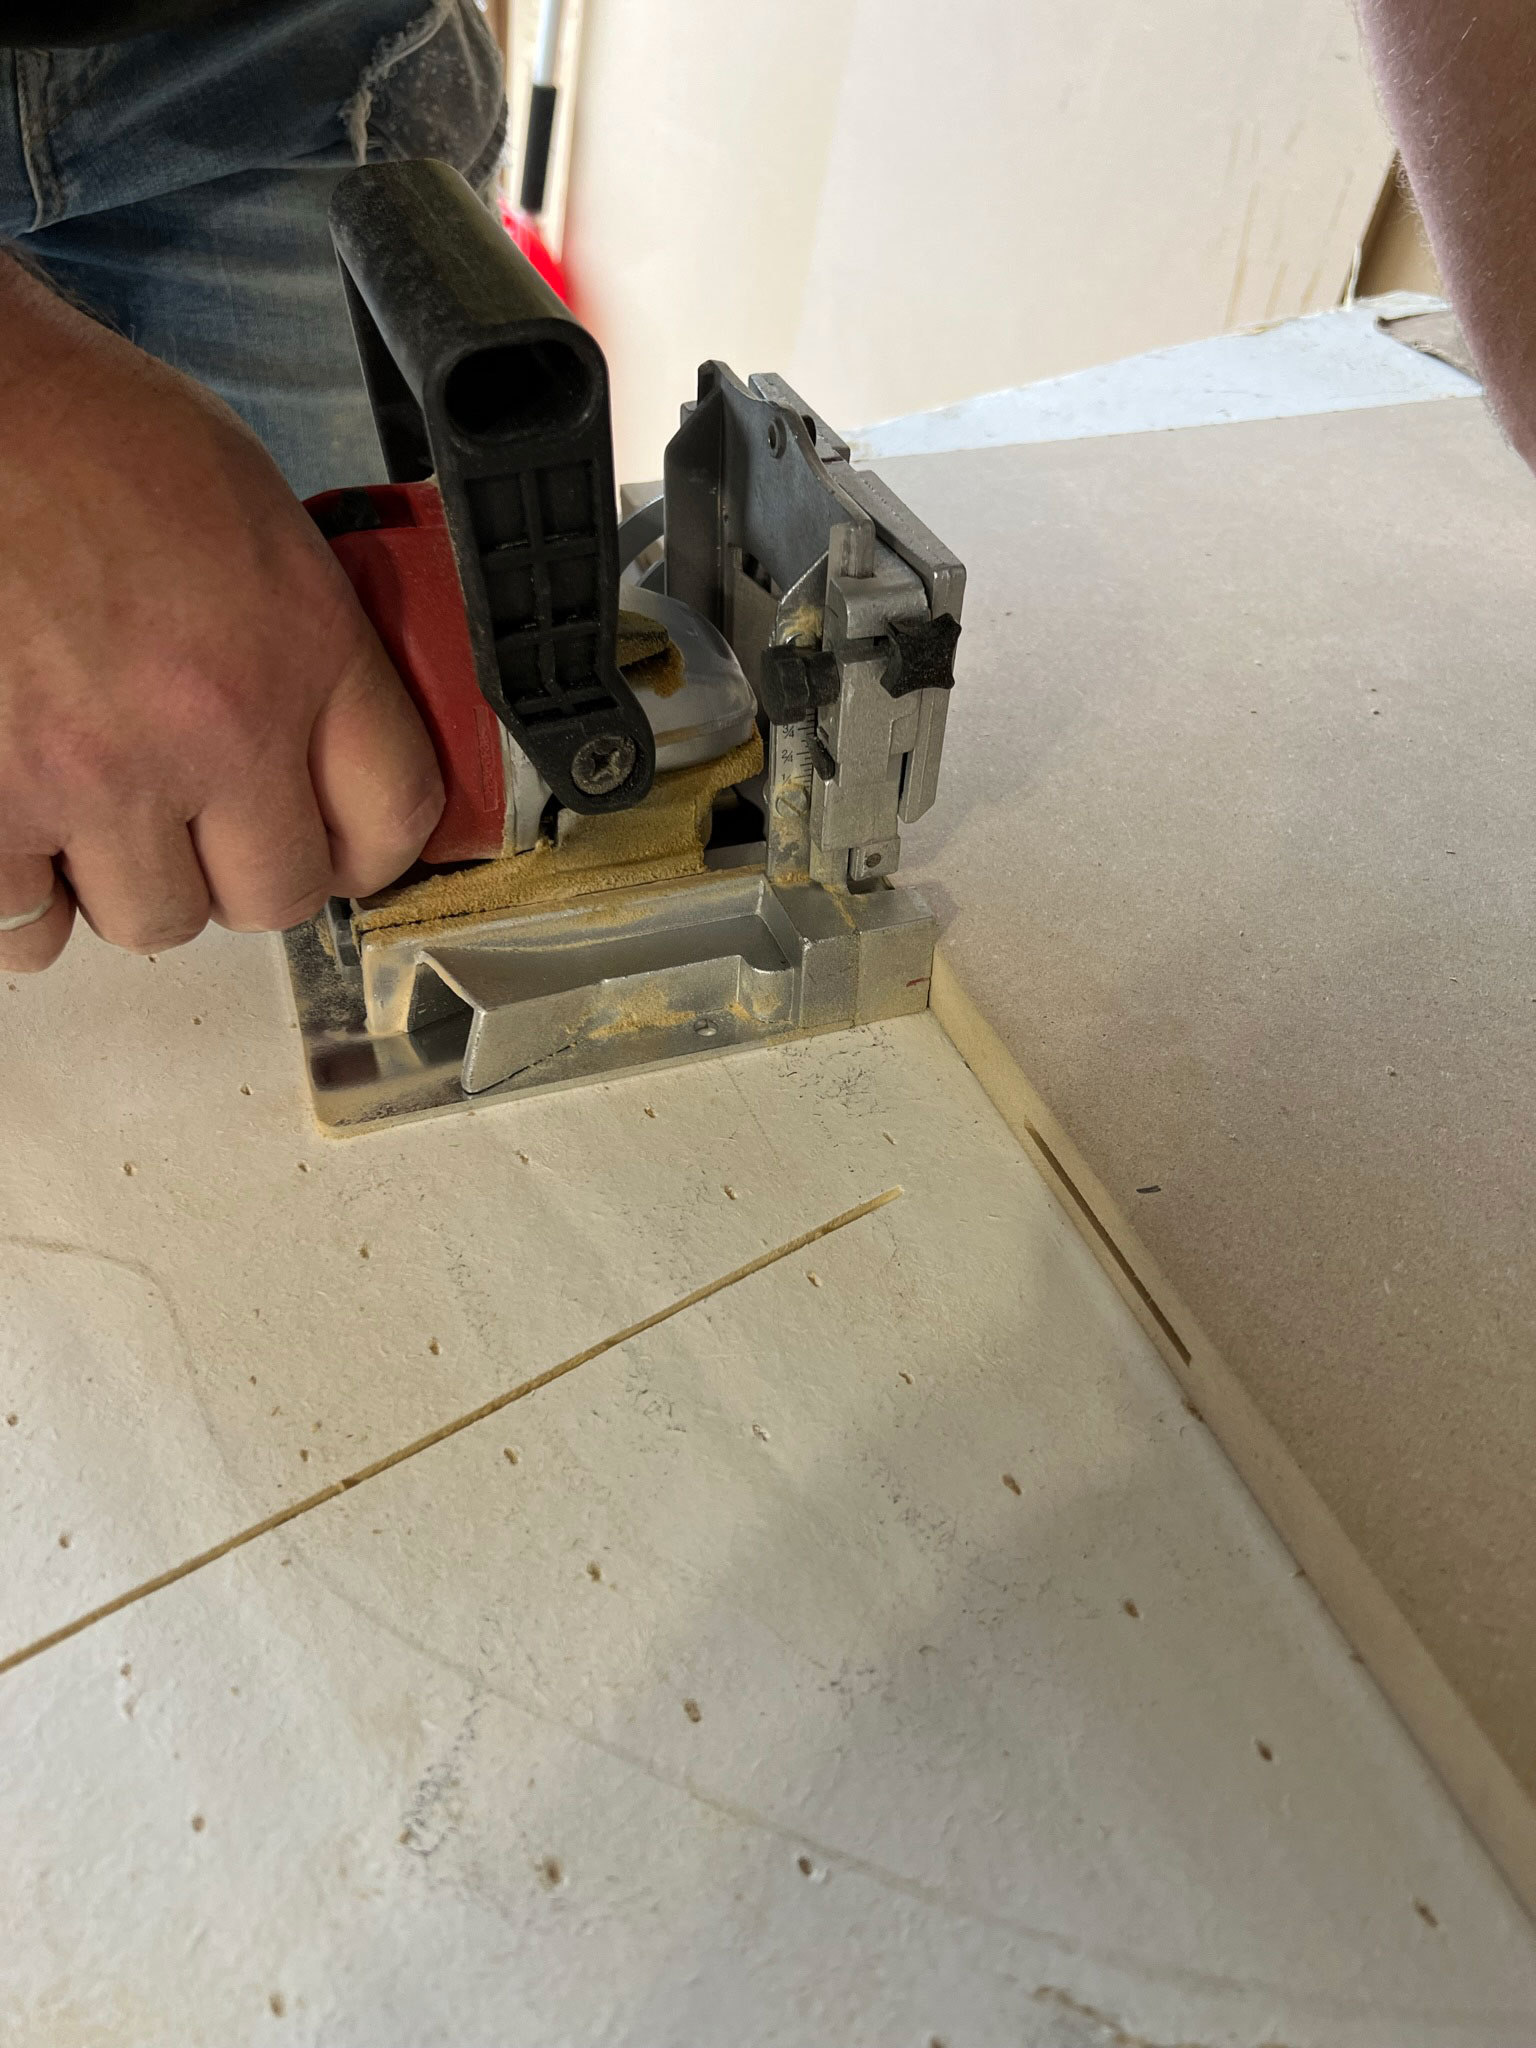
<point x="599" y="765"/>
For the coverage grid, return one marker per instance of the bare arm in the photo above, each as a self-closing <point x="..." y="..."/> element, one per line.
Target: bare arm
<point x="1459" y="80"/>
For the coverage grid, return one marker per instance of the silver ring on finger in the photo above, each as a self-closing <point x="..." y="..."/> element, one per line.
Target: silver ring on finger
<point x="19" y="924"/>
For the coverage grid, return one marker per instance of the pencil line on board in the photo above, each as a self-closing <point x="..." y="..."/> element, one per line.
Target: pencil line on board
<point x="291" y="1513"/>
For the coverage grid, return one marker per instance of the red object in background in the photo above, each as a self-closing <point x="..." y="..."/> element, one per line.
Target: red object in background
<point x="525" y="232"/>
<point x="404" y="574"/>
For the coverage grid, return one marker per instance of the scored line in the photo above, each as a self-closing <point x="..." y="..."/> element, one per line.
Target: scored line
<point x="414" y="1449"/>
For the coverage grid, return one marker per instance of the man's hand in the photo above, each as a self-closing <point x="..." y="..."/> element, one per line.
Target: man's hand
<point x="196" y="719"/>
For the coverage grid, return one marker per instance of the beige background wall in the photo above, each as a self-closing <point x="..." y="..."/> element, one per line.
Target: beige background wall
<point x="899" y="203"/>
<point x="1396" y="256"/>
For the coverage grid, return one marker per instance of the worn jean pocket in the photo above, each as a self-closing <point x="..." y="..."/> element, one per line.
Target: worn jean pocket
<point x="260" y="89"/>
<point x="435" y="89"/>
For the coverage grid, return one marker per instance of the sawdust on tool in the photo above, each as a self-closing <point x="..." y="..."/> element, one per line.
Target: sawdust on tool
<point x="650" y="658"/>
<point x="662" y="674"/>
<point x="640" y="638"/>
<point x="654" y="841"/>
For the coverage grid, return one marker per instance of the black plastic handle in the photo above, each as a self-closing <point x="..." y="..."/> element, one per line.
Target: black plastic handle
<point x="479" y="377"/>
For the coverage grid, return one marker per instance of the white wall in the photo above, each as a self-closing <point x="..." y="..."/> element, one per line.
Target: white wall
<point x="899" y="203"/>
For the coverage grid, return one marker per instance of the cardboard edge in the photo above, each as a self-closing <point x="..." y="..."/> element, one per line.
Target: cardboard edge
<point x="1488" y="1793"/>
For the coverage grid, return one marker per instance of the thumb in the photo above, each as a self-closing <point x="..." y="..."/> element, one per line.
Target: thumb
<point x="375" y="775"/>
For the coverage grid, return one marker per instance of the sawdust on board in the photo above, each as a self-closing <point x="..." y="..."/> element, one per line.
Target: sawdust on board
<point x="655" y="841"/>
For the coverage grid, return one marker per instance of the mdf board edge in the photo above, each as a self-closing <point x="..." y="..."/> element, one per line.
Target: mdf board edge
<point x="1496" y="1804"/>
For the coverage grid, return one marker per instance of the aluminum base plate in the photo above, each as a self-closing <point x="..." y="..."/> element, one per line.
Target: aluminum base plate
<point x="546" y="998"/>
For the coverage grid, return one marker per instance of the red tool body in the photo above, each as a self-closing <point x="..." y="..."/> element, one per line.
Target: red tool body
<point x="401" y="565"/>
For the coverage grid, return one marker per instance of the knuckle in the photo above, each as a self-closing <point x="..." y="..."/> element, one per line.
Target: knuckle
<point x="245" y="718"/>
<point x="219" y="716"/>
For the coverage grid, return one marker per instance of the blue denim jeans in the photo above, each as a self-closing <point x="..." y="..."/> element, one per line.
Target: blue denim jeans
<point x="177" y="185"/>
